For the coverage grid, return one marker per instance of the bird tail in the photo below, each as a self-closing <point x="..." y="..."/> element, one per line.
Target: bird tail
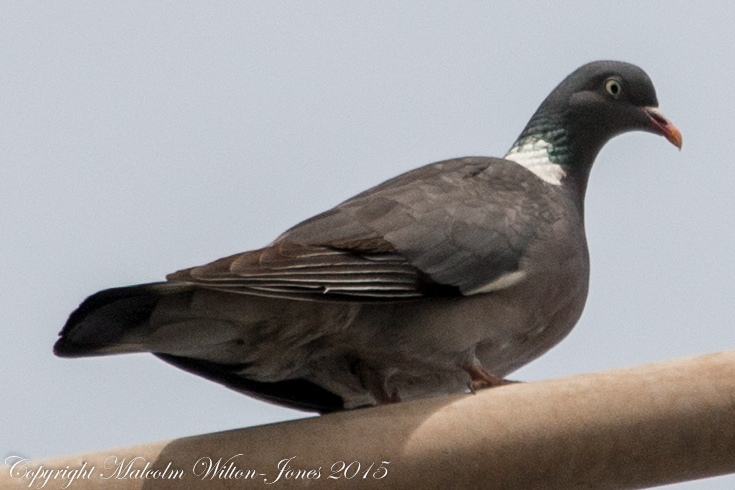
<point x="103" y="319"/>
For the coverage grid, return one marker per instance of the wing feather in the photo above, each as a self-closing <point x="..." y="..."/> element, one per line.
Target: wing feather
<point x="443" y="229"/>
<point x="312" y="272"/>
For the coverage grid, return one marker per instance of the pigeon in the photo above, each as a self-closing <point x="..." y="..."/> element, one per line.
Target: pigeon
<point x="442" y="280"/>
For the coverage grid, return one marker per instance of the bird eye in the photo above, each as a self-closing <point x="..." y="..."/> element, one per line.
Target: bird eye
<point x="613" y="87"/>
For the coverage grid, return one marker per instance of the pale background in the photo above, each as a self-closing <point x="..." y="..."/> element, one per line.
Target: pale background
<point x="138" y="138"/>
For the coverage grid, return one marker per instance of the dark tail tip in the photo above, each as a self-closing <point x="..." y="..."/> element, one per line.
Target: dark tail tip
<point x="102" y="319"/>
<point x="65" y="348"/>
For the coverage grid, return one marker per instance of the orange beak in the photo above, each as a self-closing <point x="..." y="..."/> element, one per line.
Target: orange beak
<point x="664" y="127"/>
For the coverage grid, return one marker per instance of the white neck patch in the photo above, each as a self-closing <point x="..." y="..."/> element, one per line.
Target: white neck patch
<point x="534" y="155"/>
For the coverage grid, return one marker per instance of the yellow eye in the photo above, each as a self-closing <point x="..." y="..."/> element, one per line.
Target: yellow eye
<point x="613" y="87"/>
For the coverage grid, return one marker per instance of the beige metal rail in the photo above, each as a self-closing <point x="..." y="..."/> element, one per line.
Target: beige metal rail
<point x="626" y="428"/>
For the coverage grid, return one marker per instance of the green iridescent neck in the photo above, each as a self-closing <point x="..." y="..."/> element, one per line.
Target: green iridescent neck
<point x="550" y="130"/>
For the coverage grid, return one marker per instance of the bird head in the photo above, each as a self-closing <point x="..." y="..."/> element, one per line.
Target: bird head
<point x="597" y="102"/>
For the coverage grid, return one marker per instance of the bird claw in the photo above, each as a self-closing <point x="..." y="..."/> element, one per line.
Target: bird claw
<point x="471" y="388"/>
<point x="375" y="384"/>
<point x="481" y="378"/>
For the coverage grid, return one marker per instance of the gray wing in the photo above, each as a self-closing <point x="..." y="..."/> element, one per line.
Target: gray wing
<point x="314" y="272"/>
<point x="447" y="228"/>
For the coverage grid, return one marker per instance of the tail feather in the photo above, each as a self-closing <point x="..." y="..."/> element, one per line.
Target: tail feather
<point x="103" y="318"/>
<point x="121" y="320"/>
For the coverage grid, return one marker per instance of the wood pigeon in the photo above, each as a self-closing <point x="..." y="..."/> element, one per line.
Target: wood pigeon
<point x="441" y="280"/>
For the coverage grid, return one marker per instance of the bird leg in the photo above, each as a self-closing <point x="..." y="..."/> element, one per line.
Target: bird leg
<point x="374" y="383"/>
<point x="481" y="378"/>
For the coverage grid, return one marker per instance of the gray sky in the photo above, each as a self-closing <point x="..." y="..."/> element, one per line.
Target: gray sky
<point x="139" y="138"/>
